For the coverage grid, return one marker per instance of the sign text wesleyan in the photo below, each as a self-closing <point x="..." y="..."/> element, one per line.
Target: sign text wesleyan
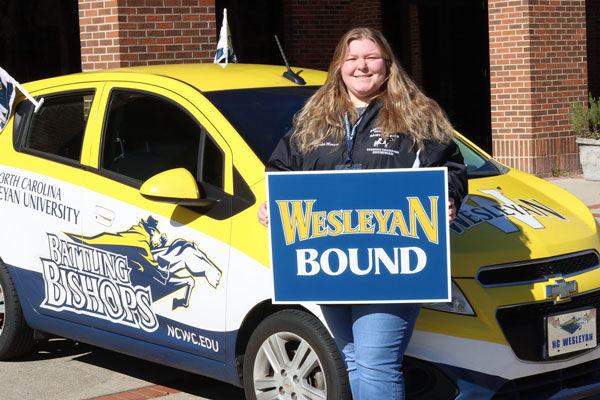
<point x="332" y="241"/>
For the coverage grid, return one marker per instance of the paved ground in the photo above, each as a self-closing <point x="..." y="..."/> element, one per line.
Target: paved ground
<point x="64" y="370"/>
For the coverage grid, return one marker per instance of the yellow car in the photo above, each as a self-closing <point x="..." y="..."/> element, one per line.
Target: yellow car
<point x="128" y="204"/>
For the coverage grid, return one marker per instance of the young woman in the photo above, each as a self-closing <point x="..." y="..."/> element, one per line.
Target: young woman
<point x="369" y="114"/>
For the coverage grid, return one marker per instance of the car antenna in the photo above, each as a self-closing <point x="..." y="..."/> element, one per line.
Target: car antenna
<point x="289" y="74"/>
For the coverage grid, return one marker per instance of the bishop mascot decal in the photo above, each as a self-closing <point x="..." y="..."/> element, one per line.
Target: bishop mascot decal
<point x="117" y="276"/>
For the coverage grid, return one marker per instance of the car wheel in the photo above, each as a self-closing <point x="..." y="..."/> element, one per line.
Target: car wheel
<point x="291" y="355"/>
<point x="16" y="338"/>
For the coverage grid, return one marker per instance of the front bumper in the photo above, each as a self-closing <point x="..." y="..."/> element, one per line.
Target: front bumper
<point x="434" y="381"/>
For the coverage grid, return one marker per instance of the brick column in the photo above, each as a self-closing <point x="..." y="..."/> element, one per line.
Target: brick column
<point x="538" y="66"/>
<point x="593" y="45"/>
<point x="314" y="27"/>
<point x="123" y="33"/>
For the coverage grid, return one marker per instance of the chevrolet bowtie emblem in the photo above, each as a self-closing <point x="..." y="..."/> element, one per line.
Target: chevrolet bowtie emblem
<point x="560" y="289"/>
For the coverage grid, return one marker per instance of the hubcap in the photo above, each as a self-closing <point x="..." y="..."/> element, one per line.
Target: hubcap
<point x="287" y="368"/>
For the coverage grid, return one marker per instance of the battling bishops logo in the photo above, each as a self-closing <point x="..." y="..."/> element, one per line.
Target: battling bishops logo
<point x="574" y="324"/>
<point x="117" y="276"/>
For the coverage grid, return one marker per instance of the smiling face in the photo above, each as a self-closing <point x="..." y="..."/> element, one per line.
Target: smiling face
<point x="363" y="71"/>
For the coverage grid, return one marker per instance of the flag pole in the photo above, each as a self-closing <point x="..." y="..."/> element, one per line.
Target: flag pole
<point x="35" y="102"/>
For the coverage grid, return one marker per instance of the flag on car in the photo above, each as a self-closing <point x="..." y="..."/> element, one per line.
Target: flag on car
<point x="225" y="53"/>
<point x="7" y="96"/>
<point x="8" y="87"/>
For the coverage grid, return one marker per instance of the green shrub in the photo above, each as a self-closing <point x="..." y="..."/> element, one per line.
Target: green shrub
<point x="586" y="121"/>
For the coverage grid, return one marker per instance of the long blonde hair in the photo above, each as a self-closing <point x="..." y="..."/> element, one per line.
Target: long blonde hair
<point x="405" y="109"/>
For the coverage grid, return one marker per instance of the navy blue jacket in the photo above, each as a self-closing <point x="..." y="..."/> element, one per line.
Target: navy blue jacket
<point x="371" y="151"/>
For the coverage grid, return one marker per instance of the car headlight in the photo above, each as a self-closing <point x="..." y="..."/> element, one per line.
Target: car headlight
<point x="459" y="303"/>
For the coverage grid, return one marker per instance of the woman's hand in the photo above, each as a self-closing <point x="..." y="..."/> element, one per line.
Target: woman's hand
<point x="263" y="215"/>
<point x="451" y="210"/>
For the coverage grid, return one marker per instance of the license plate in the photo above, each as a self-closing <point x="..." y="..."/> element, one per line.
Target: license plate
<point x="571" y="331"/>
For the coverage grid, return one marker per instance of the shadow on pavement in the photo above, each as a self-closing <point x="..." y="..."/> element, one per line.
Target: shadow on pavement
<point x="158" y="374"/>
<point x="154" y="374"/>
<point x="54" y="348"/>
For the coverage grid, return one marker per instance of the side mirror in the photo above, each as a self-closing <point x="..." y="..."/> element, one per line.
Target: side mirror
<point x="177" y="186"/>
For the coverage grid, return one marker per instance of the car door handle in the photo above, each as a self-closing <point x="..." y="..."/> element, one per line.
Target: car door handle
<point x="104" y="216"/>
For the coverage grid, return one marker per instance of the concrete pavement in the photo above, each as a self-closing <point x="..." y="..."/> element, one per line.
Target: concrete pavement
<point x="65" y="370"/>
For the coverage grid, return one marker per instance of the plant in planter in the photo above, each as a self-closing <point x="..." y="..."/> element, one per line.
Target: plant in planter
<point x="586" y="124"/>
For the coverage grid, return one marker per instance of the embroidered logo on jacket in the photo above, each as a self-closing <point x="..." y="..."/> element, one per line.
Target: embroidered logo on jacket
<point x="382" y="145"/>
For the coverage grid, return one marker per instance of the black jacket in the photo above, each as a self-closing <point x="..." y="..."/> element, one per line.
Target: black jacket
<point x="371" y="151"/>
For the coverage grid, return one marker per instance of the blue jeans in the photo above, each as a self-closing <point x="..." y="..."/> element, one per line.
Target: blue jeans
<point x="372" y="339"/>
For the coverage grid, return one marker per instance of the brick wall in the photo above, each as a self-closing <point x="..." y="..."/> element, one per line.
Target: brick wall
<point x="123" y="33"/>
<point x="313" y="27"/>
<point x="365" y="13"/>
<point x="593" y="46"/>
<point x="416" y="53"/>
<point x="537" y="68"/>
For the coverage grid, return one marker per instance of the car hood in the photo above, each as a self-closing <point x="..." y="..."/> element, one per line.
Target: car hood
<point x="516" y="217"/>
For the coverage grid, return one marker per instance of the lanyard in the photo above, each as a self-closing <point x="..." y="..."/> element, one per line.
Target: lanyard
<point x="350" y="133"/>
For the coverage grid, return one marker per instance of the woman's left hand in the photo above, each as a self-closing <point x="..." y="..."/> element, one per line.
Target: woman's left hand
<point x="451" y="210"/>
<point x="263" y="215"/>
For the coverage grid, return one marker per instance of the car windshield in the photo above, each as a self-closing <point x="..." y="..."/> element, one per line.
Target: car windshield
<point x="263" y="115"/>
<point x="479" y="166"/>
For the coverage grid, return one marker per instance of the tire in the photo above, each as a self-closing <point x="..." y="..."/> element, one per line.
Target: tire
<point x="16" y="338"/>
<point x="291" y="355"/>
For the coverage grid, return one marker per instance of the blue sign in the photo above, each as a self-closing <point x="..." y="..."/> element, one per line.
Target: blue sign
<point x="359" y="236"/>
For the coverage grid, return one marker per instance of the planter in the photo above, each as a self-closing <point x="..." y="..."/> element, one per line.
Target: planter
<point x="589" y="155"/>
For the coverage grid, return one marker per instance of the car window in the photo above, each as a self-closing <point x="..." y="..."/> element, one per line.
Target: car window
<point x="145" y="134"/>
<point x="211" y="167"/>
<point x="477" y="165"/>
<point x="59" y="125"/>
<point x="263" y="115"/>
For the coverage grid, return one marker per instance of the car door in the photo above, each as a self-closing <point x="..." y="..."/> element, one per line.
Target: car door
<point x="45" y="186"/>
<point x="158" y="270"/>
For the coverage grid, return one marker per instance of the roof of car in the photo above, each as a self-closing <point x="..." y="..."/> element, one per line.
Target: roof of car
<point x="209" y="77"/>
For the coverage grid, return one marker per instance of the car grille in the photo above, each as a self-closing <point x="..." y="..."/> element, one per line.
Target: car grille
<point x="538" y="270"/>
<point x="572" y="382"/>
<point x="524" y="325"/>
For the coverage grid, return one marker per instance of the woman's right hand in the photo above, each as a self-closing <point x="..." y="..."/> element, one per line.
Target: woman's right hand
<point x="263" y="215"/>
